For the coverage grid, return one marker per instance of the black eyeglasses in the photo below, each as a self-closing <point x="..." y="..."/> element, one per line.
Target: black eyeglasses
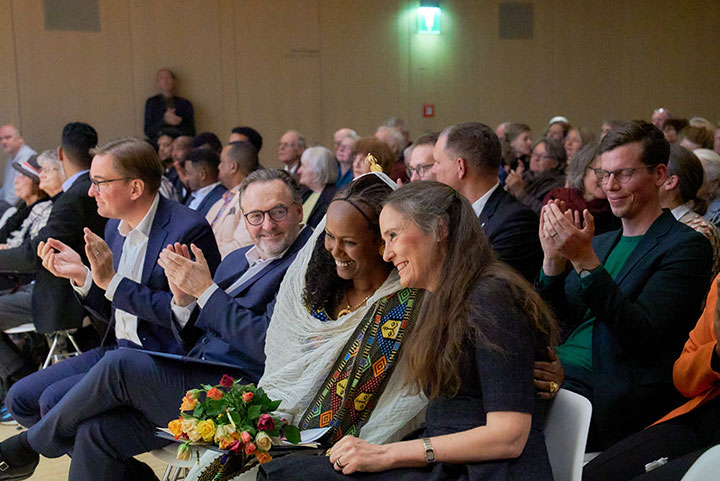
<point x="98" y="183"/>
<point x="257" y="217"/>
<point x="621" y="175"/>
<point x="420" y="169"/>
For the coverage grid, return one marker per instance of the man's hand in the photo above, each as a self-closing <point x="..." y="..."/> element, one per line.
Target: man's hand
<point x="101" y="259"/>
<point x="549" y="376"/>
<point x="171" y="117"/>
<point x="571" y="236"/>
<point x="62" y="261"/>
<point x="553" y="261"/>
<point x="189" y="277"/>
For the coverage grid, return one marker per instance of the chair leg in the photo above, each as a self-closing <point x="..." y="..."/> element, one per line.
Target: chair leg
<point x="168" y="473"/>
<point x="49" y="357"/>
<point x="74" y="343"/>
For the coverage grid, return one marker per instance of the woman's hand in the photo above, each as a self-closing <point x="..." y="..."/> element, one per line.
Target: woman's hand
<point x="351" y="454"/>
<point x="514" y="182"/>
<point x="549" y="376"/>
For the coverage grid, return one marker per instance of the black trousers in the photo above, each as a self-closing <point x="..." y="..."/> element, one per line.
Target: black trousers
<point x="682" y="440"/>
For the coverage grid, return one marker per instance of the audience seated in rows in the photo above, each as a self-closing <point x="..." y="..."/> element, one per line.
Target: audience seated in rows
<point x="619" y="304"/>
<point x="290" y="149"/>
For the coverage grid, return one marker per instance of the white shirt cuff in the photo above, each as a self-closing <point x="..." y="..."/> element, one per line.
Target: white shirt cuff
<point x="205" y="296"/>
<point x="182" y="313"/>
<point x="85" y="288"/>
<point x="112" y="287"/>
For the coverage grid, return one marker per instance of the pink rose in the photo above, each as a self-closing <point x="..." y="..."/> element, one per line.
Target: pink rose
<point x="214" y="393"/>
<point x="245" y="437"/>
<point x="247" y="396"/>
<point x="250" y="448"/>
<point x="235" y="447"/>
<point x="266" y="423"/>
<point x="226" y="381"/>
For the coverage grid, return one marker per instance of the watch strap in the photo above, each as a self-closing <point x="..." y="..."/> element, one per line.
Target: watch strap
<point x="429" y="451"/>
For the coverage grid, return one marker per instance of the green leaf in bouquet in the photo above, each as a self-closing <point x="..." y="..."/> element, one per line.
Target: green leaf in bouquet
<point x="199" y="411"/>
<point x="207" y="387"/>
<point x="237" y="419"/>
<point x="273" y="405"/>
<point x="254" y="412"/>
<point x="292" y="433"/>
<point x="186" y="415"/>
<point x="214" y="407"/>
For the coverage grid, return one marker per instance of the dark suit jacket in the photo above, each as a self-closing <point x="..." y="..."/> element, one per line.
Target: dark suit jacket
<point x="513" y="232"/>
<point x="155" y="116"/>
<point x="53" y="302"/>
<point x="213" y="196"/>
<point x="233" y="325"/>
<point x="321" y="206"/>
<point x="150" y="299"/>
<point x="642" y="321"/>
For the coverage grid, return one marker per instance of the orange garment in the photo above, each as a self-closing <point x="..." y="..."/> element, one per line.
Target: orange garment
<point x="692" y="374"/>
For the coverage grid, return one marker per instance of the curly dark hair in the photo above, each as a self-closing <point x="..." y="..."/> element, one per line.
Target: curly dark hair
<point x="324" y="289"/>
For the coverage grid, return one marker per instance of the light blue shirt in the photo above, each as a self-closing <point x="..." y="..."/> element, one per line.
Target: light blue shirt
<point x="71" y="180"/>
<point x="7" y="191"/>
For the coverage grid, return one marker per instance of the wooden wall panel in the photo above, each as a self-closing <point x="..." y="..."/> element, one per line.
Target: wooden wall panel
<point x="67" y="76"/>
<point x="9" y="100"/>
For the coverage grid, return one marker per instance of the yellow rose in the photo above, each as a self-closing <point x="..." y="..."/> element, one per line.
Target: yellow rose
<point x="263" y="457"/>
<point x="224" y="432"/>
<point x="183" y="452"/>
<point x="206" y="430"/>
<point x="263" y="441"/>
<point x="188" y="404"/>
<point x="189" y="427"/>
<point x="175" y="427"/>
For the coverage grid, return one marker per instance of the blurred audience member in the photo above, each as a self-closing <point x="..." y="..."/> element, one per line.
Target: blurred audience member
<point x="557" y="128"/>
<point x="379" y="149"/>
<point x="343" y="154"/>
<point x="291" y="146"/>
<point x="672" y="128"/>
<point x="575" y="140"/>
<point x="167" y="109"/>
<point x="711" y="188"/>
<point x="207" y="140"/>
<point x="547" y="172"/>
<point x="247" y="134"/>
<point x="693" y="138"/>
<point x="659" y="116"/>
<point x="395" y="139"/>
<point x="318" y="172"/>
<point x="14" y="145"/>
<point x="201" y="166"/>
<point x="421" y="158"/>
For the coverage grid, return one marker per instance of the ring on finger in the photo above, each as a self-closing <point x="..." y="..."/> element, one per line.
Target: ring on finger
<point x="554" y="387"/>
<point x="339" y="464"/>
<point x="554" y="234"/>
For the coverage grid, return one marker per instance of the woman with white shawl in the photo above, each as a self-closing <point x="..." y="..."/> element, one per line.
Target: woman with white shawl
<point x="310" y="341"/>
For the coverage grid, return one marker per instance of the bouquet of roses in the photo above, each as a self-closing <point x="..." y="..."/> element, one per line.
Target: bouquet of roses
<point x="235" y="417"/>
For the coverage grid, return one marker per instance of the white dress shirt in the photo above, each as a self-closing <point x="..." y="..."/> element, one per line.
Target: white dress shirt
<point x="130" y="266"/>
<point x="200" y="194"/>
<point x="479" y="204"/>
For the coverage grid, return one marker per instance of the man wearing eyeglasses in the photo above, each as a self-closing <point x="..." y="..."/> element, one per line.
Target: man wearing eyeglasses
<point x="111" y="414"/>
<point x="632" y="295"/>
<point x="421" y="158"/>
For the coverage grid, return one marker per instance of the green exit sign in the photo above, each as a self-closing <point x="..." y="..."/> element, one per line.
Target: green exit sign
<point x="429" y="20"/>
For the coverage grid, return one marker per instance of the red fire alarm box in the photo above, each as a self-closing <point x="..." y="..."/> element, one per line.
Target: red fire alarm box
<point x="428" y="110"/>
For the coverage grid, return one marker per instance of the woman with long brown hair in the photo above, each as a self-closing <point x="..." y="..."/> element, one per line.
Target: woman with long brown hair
<point x="482" y="326"/>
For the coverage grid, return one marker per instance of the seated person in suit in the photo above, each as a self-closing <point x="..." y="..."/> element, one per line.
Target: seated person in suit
<point x="331" y="296"/>
<point x="124" y="284"/>
<point x="50" y="302"/>
<point x="111" y="414"/>
<point x="619" y="304"/>
<point x="318" y="172"/>
<point x="246" y="134"/>
<point x="237" y="161"/>
<point x="684" y="434"/>
<point x="421" y="158"/>
<point x="467" y="157"/>
<point x="483" y="419"/>
<point x="201" y="170"/>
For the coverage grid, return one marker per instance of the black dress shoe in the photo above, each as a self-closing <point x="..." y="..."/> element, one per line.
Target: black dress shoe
<point x="19" y="471"/>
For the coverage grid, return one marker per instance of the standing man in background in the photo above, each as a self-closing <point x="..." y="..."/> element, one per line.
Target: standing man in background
<point x="168" y="110"/>
<point x="14" y="145"/>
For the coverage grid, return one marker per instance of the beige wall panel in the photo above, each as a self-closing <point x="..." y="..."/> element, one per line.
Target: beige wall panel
<point x="66" y="76"/>
<point x="9" y="101"/>
<point x="183" y="35"/>
<point x="277" y="47"/>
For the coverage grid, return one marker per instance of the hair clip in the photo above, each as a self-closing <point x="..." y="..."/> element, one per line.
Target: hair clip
<point x="372" y="162"/>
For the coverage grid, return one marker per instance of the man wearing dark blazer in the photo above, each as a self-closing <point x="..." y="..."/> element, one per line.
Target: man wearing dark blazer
<point x="201" y="166"/>
<point x="124" y="285"/>
<point x="467" y="157"/>
<point x="52" y="303"/>
<point x="632" y="295"/>
<point x="111" y="415"/>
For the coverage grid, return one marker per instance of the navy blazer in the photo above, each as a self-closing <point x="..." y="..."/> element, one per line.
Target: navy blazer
<point x="513" y="232"/>
<point x="642" y="319"/>
<point x="150" y="299"/>
<point x="213" y="196"/>
<point x="234" y="324"/>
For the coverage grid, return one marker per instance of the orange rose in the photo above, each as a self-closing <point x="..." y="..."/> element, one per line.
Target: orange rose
<point x="263" y="457"/>
<point x="247" y="397"/>
<point x="188" y="404"/>
<point x="175" y="428"/>
<point x="214" y="393"/>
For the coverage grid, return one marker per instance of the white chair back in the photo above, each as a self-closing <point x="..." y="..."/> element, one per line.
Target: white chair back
<point x="706" y="467"/>
<point x="566" y="430"/>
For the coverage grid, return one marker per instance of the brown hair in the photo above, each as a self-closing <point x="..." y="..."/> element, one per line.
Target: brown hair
<point x="135" y="158"/>
<point x="468" y="261"/>
<point x="697" y="135"/>
<point x="382" y="151"/>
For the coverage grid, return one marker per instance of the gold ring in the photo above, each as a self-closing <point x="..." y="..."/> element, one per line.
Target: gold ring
<point x="554" y="387"/>
<point x="338" y="464"/>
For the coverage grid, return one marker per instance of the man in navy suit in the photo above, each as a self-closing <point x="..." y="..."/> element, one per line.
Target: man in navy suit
<point x="124" y="285"/>
<point x="201" y="167"/>
<point x="632" y="295"/>
<point x="111" y="414"/>
<point x="467" y="157"/>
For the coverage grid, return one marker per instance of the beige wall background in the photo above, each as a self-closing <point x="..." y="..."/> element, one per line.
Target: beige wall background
<point x="317" y="65"/>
